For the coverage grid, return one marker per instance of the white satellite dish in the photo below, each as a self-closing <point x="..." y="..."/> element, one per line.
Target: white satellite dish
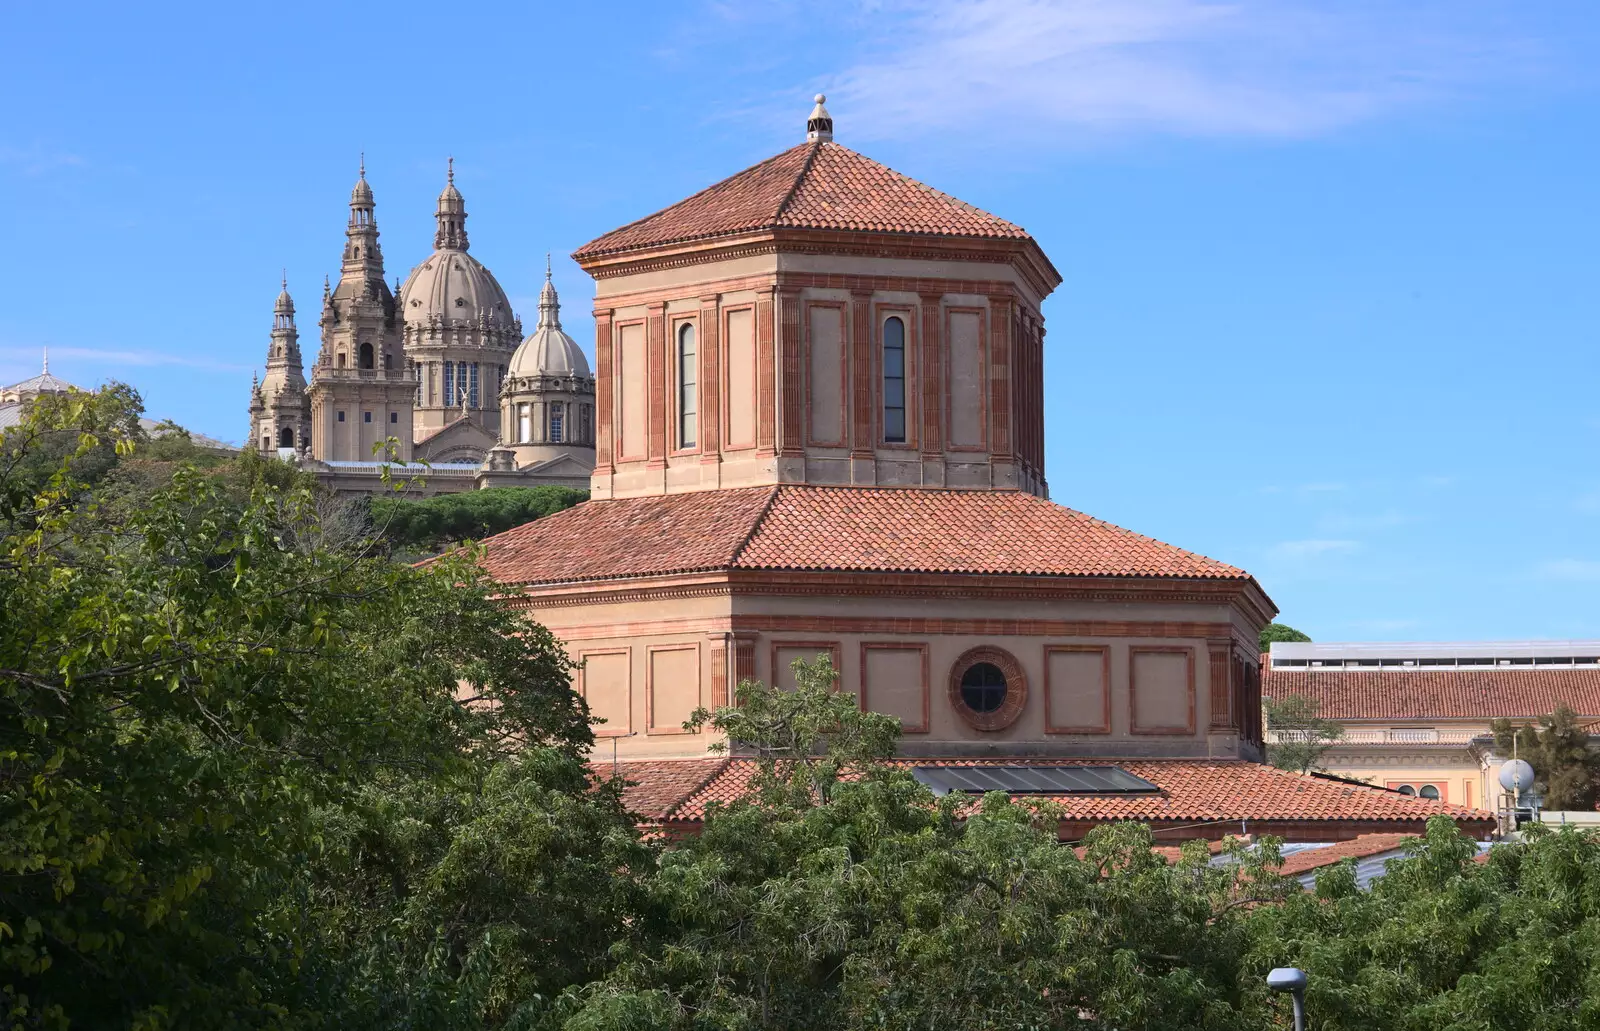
<point x="1516" y="776"/>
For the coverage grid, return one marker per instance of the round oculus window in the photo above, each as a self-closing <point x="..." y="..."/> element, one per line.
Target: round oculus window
<point x="983" y="687"/>
<point x="988" y="688"/>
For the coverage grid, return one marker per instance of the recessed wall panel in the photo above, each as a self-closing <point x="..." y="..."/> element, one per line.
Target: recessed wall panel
<point x="741" y="400"/>
<point x="966" y="389"/>
<point x="826" y="375"/>
<point x="633" y="380"/>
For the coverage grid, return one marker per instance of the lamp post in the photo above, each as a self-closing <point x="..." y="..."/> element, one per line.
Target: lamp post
<point x="1293" y="981"/>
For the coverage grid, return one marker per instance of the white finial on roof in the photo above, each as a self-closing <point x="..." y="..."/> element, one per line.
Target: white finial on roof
<point x="46" y="370"/>
<point x="819" y="127"/>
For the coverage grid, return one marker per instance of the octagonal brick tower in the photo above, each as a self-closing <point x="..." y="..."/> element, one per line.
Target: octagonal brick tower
<point x="818" y="318"/>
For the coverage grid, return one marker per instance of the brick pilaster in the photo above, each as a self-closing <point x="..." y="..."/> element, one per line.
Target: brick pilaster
<point x="1000" y="357"/>
<point x="710" y="380"/>
<point x="656" y="349"/>
<point x="766" y="376"/>
<point x="862" y="387"/>
<point x="931" y="369"/>
<point x="604" y="392"/>
<point x="1221" y="654"/>
<point x="790" y="441"/>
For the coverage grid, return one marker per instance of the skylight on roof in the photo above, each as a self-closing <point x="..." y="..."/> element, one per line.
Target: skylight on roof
<point x="1033" y="780"/>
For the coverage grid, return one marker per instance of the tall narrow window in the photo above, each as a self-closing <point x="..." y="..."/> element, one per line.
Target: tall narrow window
<point x="525" y="423"/>
<point x="894" y="381"/>
<point x="687" y="370"/>
<point x="558" y="415"/>
<point x="417" y="369"/>
<point x="472" y="400"/>
<point x="449" y="384"/>
<point x="585" y="420"/>
<point x="366" y="356"/>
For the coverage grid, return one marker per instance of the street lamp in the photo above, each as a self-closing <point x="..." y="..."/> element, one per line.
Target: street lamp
<point x="1293" y="981"/>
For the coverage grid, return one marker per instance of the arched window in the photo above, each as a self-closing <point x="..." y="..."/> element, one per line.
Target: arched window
<point x="1429" y="791"/>
<point x="366" y="356"/>
<point x="525" y="423"/>
<point x="1406" y="789"/>
<point x="558" y="416"/>
<point x="688" y="372"/>
<point x="894" y="381"/>
<point x="266" y="442"/>
<point x="286" y="437"/>
<point x="341" y="359"/>
<point x="450" y="400"/>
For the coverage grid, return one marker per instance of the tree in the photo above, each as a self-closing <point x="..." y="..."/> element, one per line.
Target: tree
<point x="428" y="525"/>
<point x="251" y="775"/>
<point x="1279" y="632"/>
<point x="1301" y="736"/>
<point x="1566" y="769"/>
<point x="841" y="894"/>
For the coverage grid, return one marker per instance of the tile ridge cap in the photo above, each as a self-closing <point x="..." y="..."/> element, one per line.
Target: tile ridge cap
<point x="794" y="187"/>
<point x="755" y="527"/>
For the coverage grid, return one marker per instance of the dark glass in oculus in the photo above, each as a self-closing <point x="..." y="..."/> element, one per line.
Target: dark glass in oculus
<point x="983" y="687"/>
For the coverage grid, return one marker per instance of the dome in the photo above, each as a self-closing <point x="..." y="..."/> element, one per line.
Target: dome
<point x="453" y="286"/>
<point x="548" y="351"/>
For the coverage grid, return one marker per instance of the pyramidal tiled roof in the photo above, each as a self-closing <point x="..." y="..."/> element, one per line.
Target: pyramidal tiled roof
<point x="818" y="185"/>
<point x="854" y="529"/>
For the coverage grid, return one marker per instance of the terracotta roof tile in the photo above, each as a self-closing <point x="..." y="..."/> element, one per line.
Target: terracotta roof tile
<point x="1356" y="848"/>
<point x="1402" y="694"/>
<point x="810" y="186"/>
<point x="1192" y="791"/>
<point x="655" y="788"/>
<point x="833" y="528"/>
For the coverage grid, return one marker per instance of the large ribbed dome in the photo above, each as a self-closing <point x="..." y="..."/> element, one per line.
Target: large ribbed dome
<point x="452" y="286"/>
<point x="548" y="351"/>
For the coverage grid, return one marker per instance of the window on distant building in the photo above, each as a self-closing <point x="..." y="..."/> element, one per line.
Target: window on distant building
<point x="557" y="417"/>
<point x="366" y="356"/>
<point x="1429" y="791"/>
<point x="286" y="437"/>
<point x="688" y="372"/>
<point x="585" y="421"/>
<point x="366" y="416"/>
<point x="341" y="417"/>
<point x="394" y="418"/>
<point x="472" y="391"/>
<point x="450" y="384"/>
<point x="988" y="688"/>
<point x="983" y="687"/>
<point x="525" y="423"/>
<point x="894" y="381"/>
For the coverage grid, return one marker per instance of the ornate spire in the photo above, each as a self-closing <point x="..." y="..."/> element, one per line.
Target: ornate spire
<point x="549" y="304"/>
<point x="452" y="214"/>
<point x="361" y="251"/>
<point x="819" y="127"/>
<point x="46" y="370"/>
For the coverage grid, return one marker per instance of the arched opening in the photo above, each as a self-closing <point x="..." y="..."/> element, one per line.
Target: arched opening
<point x="687" y="376"/>
<point x="341" y="359"/>
<point x="1429" y="791"/>
<point x="1406" y="789"/>
<point x="366" y="356"/>
<point x="894" y="381"/>
<point x="286" y="437"/>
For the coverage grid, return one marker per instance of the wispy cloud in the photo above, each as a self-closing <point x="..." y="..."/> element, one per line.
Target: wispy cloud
<point x="143" y="359"/>
<point x="37" y="160"/>
<point x="1573" y="569"/>
<point x="1061" y="69"/>
<point x="1313" y="548"/>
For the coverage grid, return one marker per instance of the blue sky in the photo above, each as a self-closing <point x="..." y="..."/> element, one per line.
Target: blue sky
<point x="1330" y="309"/>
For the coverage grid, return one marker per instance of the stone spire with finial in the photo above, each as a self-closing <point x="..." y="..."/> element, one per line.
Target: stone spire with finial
<point x="549" y="303"/>
<point x="819" y="126"/>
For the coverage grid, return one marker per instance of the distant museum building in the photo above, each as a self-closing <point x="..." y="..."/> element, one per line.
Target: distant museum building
<point x="439" y="365"/>
<point x="820" y="432"/>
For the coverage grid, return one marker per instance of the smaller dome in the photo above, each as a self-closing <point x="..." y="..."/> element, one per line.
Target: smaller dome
<point x="548" y="351"/>
<point x="285" y="303"/>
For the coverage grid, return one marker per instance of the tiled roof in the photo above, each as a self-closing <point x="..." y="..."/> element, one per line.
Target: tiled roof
<point x="833" y="528"/>
<point x="1193" y="791"/>
<point x="1360" y="847"/>
<point x="1425" y="694"/>
<point x="810" y="186"/>
<point x="656" y="788"/>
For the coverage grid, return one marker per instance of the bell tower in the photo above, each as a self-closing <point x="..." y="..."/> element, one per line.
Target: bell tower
<point x="280" y="410"/>
<point x="361" y="391"/>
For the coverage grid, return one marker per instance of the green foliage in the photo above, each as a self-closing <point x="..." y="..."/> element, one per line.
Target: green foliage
<point x="224" y="733"/>
<point x="841" y="894"/>
<point x="1279" y="632"/>
<point x="1442" y="943"/>
<point x="1302" y="736"/>
<point x="432" y="524"/>
<point x="1566" y="770"/>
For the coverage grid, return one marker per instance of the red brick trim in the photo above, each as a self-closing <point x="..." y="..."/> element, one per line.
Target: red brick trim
<point x="655" y="343"/>
<point x="719" y="669"/>
<point x="582" y="659"/>
<point x="835" y="654"/>
<point x="1104" y="727"/>
<point x="710" y="380"/>
<point x="861" y="344"/>
<point x="932" y="376"/>
<point x="791" y="436"/>
<point x="1133" y="689"/>
<point x="1016" y="688"/>
<point x="650" y="651"/>
<point x="1000" y="358"/>
<point x="744" y="659"/>
<point x="921" y="648"/>
<point x="604" y="343"/>
<point x="1221" y="686"/>
<point x="766" y="376"/>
